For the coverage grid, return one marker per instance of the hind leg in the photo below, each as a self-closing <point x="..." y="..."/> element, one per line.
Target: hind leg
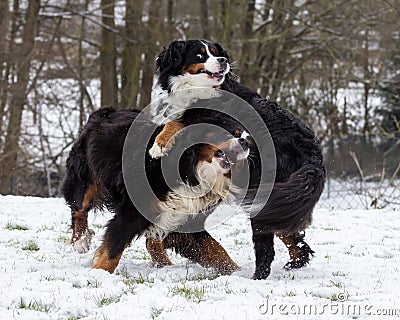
<point x="81" y="234"/>
<point x="157" y="252"/>
<point x="125" y="225"/>
<point x="299" y="251"/>
<point x="265" y="253"/>
<point x="202" y="248"/>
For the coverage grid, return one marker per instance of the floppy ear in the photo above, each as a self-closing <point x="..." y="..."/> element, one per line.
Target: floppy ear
<point x="171" y="57"/>
<point x="222" y="52"/>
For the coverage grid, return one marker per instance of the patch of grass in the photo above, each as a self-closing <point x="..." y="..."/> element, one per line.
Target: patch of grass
<point x="142" y="255"/>
<point x="240" y="242"/>
<point x="340" y="297"/>
<point x="330" y="229"/>
<point x="14" y="226"/>
<point x="132" y="281"/>
<point x="48" y="278"/>
<point x="93" y="284"/>
<point x="42" y="258"/>
<point x="140" y="279"/>
<point x="203" y="276"/>
<point x="45" y="228"/>
<point x="193" y="294"/>
<point x="227" y="289"/>
<point x="64" y="239"/>
<point x="337" y="284"/>
<point x="105" y="301"/>
<point x="34" y="305"/>
<point x="289" y="294"/>
<point x="334" y="297"/>
<point x="155" y="312"/>
<point x="338" y="274"/>
<point x="31" y="245"/>
<point x="12" y="243"/>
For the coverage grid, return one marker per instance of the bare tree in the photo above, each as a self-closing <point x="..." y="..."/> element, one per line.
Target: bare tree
<point x="18" y="96"/>
<point x="4" y="18"/>
<point x="153" y="31"/>
<point x="131" y="54"/>
<point x="108" y="56"/>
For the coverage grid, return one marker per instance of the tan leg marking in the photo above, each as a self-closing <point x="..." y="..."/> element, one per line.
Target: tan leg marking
<point x="157" y="253"/>
<point x="80" y="223"/>
<point x="102" y="260"/>
<point x="165" y="137"/>
<point x="213" y="255"/>
<point x="291" y="244"/>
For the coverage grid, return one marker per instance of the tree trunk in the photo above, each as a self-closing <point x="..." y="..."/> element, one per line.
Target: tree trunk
<point x="82" y="90"/>
<point x="204" y="19"/>
<point x="131" y="55"/>
<point x="19" y="98"/>
<point x="152" y="31"/>
<point x="4" y="18"/>
<point x="246" y="52"/>
<point x="170" y="19"/>
<point x="227" y="19"/>
<point x="108" y="56"/>
<point x="366" y="127"/>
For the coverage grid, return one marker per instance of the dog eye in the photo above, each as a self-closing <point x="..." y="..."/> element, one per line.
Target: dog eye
<point x="199" y="57"/>
<point x="219" y="153"/>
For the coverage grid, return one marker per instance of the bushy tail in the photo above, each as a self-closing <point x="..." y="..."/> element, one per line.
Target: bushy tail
<point x="290" y="204"/>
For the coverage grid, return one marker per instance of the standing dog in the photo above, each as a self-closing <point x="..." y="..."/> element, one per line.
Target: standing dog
<point x="94" y="178"/>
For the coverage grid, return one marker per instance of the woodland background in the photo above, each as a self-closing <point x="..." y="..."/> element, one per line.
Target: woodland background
<point x="333" y="63"/>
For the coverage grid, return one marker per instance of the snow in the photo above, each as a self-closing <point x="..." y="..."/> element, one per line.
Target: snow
<point x="353" y="274"/>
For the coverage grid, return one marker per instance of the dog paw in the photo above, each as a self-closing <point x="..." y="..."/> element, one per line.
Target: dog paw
<point x="261" y="273"/>
<point x="157" y="152"/>
<point x="82" y="244"/>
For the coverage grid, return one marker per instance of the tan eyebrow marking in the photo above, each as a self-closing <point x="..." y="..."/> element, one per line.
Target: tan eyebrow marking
<point x="193" y="68"/>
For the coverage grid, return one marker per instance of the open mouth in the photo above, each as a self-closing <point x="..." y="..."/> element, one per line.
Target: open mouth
<point x="217" y="76"/>
<point x="223" y="160"/>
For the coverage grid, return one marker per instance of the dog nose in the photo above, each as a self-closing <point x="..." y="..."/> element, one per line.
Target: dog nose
<point x="222" y="62"/>
<point x="243" y="143"/>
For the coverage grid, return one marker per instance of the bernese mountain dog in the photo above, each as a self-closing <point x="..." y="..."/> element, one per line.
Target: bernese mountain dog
<point x="182" y="80"/>
<point x="94" y="179"/>
<point x="300" y="175"/>
<point x="298" y="183"/>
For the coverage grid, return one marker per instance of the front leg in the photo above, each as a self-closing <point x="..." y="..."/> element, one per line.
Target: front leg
<point x="156" y="250"/>
<point x="165" y="139"/>
<point x="202" y="248"/>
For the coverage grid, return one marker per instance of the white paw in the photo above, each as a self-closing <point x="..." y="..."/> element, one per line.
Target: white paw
<point x="82" y="245"/>
<point x="157" y="152"/>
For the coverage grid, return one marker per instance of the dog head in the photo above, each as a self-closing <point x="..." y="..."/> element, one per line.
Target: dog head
<point x="198" y="62"/>
<point x="213" y="163"/>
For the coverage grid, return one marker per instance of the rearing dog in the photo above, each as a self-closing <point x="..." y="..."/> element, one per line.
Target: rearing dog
<point x="182" y="80"/>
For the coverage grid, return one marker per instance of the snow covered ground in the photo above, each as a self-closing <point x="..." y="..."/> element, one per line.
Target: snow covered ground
<point x="355" y="272"/>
